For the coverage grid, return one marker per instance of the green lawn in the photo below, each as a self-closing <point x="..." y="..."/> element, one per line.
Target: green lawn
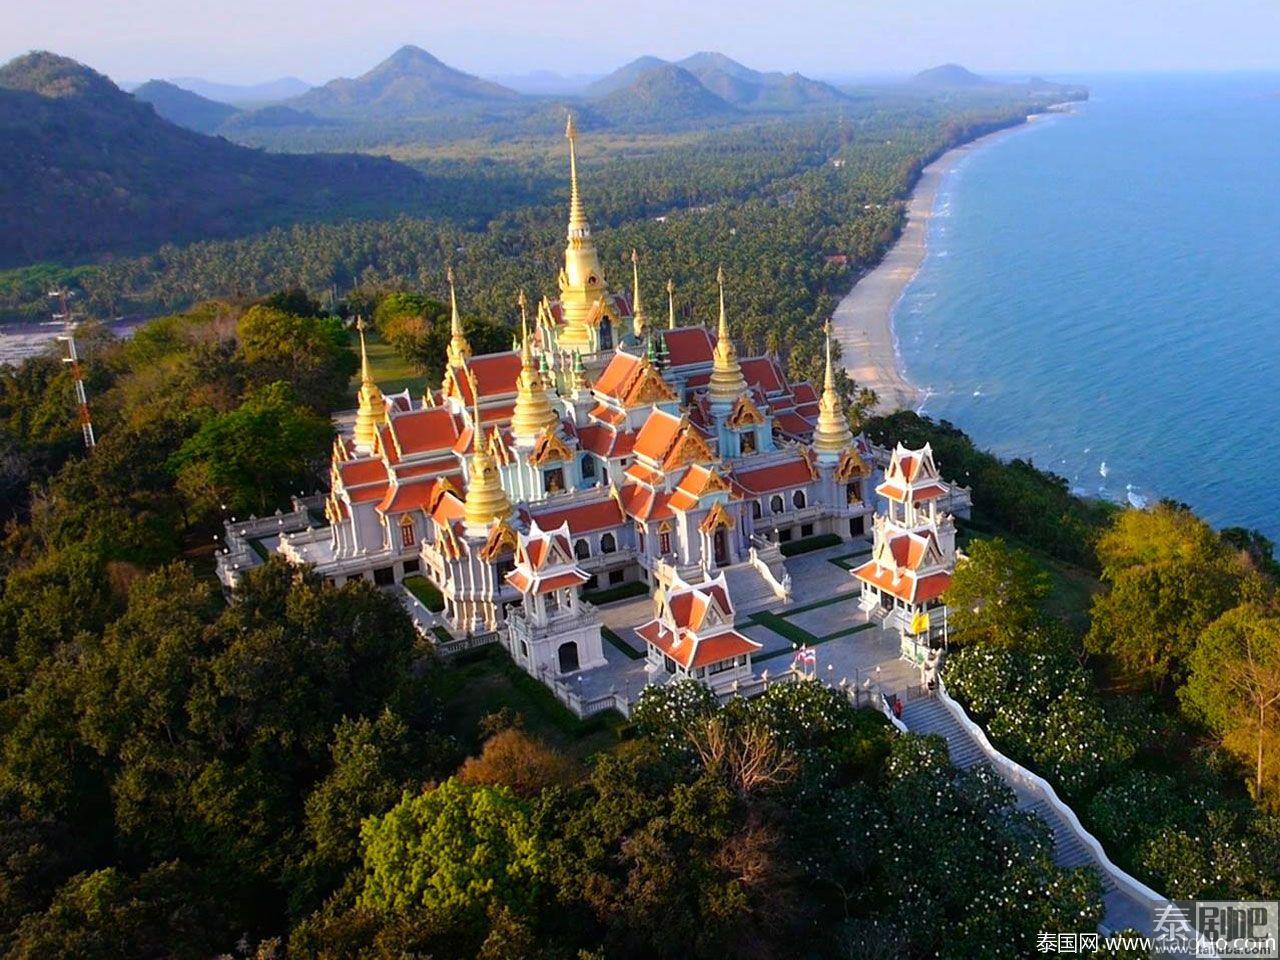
<point x="474" y="685"/>
<point x="425" y="591"/>
<point x="390" y="371"/>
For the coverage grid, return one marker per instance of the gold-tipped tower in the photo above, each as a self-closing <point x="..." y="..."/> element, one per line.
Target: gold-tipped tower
<point x="581" y="279"/>
<point x="832" y="435"/>
<point x="638" y="319"/>
<point x="671" y="304"/>
<point x="533" y="411"/>
<point x="373" y="406"/>
<point x="727" y="381"/>
<point x="459" y="348"/>
<point x="486" y="501"/>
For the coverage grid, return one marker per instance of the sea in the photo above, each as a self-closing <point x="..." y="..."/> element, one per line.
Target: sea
<point x="1101" y="295"/>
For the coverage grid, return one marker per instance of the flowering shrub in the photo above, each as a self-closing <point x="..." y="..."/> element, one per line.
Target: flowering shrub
<point x="1040" y="709"/>
<point x="664" y="714"/>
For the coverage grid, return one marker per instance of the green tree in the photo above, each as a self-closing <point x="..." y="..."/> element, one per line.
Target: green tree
<point x="1170" y="577"/>
<point x="996" y="595"/>
<point x="255" y="456"/>
<point x="1233" y="684"/>
<point x="455" y="847"/>
<point x="309" y="352"/>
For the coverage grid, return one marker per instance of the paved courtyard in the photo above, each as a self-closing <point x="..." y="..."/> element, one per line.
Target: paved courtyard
<point x="823" y="614"/>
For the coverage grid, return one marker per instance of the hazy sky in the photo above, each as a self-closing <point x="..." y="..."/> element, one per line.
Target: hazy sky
<point x="241" y="41"/>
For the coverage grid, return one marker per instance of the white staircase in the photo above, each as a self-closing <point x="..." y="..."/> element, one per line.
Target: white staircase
<point x="928" y="715"/>
<point x="748" y="589"/>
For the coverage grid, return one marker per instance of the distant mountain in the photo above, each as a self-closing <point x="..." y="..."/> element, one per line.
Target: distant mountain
<point x="409" y="83"/>
<point x="624" y="76"/>
<point x="665" y="94"/>
<point x="950" y="75"/>
<point x="183" y="107"/>
<point x="274" y="117"/>
<point x="89" y="170"/>
<point x="259" y="93"/>
<point x="730" y="81"/>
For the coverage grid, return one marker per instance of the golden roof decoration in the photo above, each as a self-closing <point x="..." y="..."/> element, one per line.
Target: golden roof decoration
<point x="832" y="434"/>
<point x="459" y="347"/>
<point x="727" y="381"/>
<point x="717" y="517"/>
<point x="372" y="408"/>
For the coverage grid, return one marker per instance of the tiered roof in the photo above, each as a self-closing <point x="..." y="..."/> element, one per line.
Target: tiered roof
<point x="693" y="625"/>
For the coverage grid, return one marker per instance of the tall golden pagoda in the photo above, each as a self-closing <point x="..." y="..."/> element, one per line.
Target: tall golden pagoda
<point x="637" y="311"/>
<point x="533" y="411"/>
<point x="727" y="381"/>
<point x="373" y="406"/>
<point x="671" y="304"/>
<point x="459" y="348"/>
<point x="486" y="501"/>
<point x="581" y="279"/>
<point x="832" y="434"/>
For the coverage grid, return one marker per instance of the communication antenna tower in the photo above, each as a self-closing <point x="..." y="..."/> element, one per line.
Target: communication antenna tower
<point x="73" y="357"/>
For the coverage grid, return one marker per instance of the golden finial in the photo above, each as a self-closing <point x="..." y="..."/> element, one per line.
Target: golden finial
<point x="364" y="354"/>
<point x="831" y="435"/>
<point x="637" y="311"/>
<point x="372" y="405"/>
<point x="459" y="348"/>
<point x="671" y="304"/>
<point x="533" y="412"/>
<point x="577" y="216"/>
<point x="727" y="381"/>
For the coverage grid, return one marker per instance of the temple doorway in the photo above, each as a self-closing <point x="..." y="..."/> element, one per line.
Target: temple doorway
<point x="568" y="657"/>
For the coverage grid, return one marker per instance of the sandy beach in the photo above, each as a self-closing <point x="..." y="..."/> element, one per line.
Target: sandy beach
<point x="863" y="320"/>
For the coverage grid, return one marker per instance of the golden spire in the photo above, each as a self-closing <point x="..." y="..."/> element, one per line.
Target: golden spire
<point x="577" y="215"/>
<point x="373" y="406"/>
<point x="486" y="501"/>
<point x="671" y="304"/>
<point x="533" y="412"/>
<point x="727" y="381"/>
<point x="637" y="311"/>
<point x="459" y="348"/>
<point x="832" y="434"/>
<point x="582" y="279"/>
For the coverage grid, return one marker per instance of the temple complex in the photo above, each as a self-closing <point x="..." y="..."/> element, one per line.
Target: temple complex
<point x="610" y="449"/>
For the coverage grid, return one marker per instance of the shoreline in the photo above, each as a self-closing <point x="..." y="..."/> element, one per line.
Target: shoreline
<point x="863" y="320"/>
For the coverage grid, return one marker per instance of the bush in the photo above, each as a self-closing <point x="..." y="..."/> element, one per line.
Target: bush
<point x="809" y="544"/>
<point x="633" y="588"/>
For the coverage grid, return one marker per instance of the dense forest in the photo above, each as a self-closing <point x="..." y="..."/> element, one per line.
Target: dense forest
<point x="770" y="201"/>
<point x="180" y="776"/>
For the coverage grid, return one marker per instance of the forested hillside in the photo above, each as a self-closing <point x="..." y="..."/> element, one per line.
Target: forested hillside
<point x="86" y="169"/>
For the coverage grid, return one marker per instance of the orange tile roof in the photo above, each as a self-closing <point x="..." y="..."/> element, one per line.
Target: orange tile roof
<point x="495" y="375"/>
<point x="793" y="423"/>
<point x="689" y="345"/>
<point x="907" y="587"/>
<point x="657" y="434"/>
<point x="615" y="376"/>
<point x="604" y="442"/>
<point x="570" y="578"/>
<point x="893" y="491"/>
<point x="424" y="431"/>
<point x="356" y="472"/>
<point x="643" y="504"/>
<point x="765" y="373"/>
<point x="781" y="476"/>
<point x="692" y="653"/>
<point x="583" y="518"/>
<point x="366" y="494"/>
<point x="407" y="496"/>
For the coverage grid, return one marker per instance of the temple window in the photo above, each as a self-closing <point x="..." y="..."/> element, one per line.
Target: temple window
<point x="606" y="334"/>
<point x="406" y="532"/>
<point x="664" y="542"/>
<point x="757" y="511"/>
<point x="588" y="467"/>
<point x="608" y="543"/>
<point x="797" y="499"/>
<point x="747" y="440"/>
<point x="582" y="549"/>
<point x="553" y="480"/>
<point x="776" y="505"/>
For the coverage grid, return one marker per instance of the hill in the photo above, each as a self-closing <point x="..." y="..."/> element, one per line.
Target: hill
<point x="91" y="170"/>
<point x="409" y="83"/>
<point x="268" y="91"/>
<point x="624" y="76"/>
<point x="183" y="107"/>
<point x="757" y="90"/>
<point x="949" y="75"/>
<point x="661" y="96"/>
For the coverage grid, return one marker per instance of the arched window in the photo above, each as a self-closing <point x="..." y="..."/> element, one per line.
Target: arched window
<point x="757" y="511"/>
<point x="797" y="499"/>
<point x="606" y="334"/>
<point x="581" y="549"/>
<point x="406" y="531"/>
<point x="776" y="504"/>
<point x="608" y="543"/>
<point x="588" y="467"/>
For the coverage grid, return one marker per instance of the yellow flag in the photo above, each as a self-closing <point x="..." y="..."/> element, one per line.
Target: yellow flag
<point x="920" y="623"/>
